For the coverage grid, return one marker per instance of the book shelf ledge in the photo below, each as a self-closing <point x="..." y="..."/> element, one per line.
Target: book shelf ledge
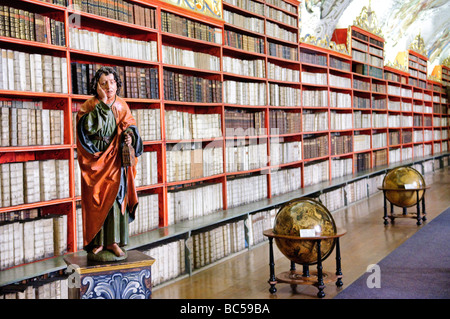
<point x="186" y="38"/>
<point x="115" y="58"/>
<point x="33" y="148"/>
<point x="31" y="270"/>
<point x="36" y="205"/>
<point x="29" y="43"/>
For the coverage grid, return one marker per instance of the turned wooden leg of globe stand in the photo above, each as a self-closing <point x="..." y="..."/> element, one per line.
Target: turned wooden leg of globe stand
<point x="272" y="280"/>
<point x="424" y="218"/>
<point x="419" y="220"/>
<point x="385" y="216"/>
<point x="339" y="282"/>
<point x="320" y="284"/>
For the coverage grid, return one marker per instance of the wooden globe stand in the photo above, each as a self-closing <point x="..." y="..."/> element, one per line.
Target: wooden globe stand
<point x="419" y="202"/>
<point x="294" y="277"/>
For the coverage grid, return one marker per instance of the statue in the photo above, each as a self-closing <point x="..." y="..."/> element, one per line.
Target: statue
<point x="108" y="193"/>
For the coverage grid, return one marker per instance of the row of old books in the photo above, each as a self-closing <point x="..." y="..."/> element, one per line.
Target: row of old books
<point x="361" y="142"/>
<point x="379" y="119"/>
<point x="334" y="199"/>
<point x="186" y="126"/>
<point x="379" y="140"/>
<point x="317" y="98"/>
<point x="400" y="120"/>
<point x="286" y="152"/>
<point x="191" y="59"/>
<point x="361" y="120"/>
<point x="176" y="24"/>
<point x="170" y="261"/>
<point x="147" y="169"/>
<point x="24" y="123"/>
<point x="282" y="51"/>
<point x="276" y="72"/>
<point x="314" y="121"/>
<point x="248" y="5"/>
<point x="378" y="103"/>
<point x="191" y="161"/>
<point x="341" y="144"/>
<point x="276" y="31"/>
<point x="254" y="68"/>
<point x="119" y="10"/>
<point x="187" y="88"/>
<point x="217" y="243"/>
<point x="283" y="5"/>
<point x="282" y="122"/>
<point x="356" y="191"/>
<point x="193" y="202"/>
<point x="360" y="102"/>
<point x="285" y="180"/>
<point x="26" y="25"/>
<point x="315" y="173"/>
<point x="82" y="39"/>
<point x="340" y="81"/>
<point x="341" y="167"/>
<point x="316" y="78"/>
<point x="48" y="288"/>
<point x="242" y="122"/>
<point x="283" y="95"/>
<point x="238" y="192"/>
<point x="253" y="24"/>
<point x="244" y="42"/>
<point x="22" y="71"/>
<point x="33" y="181"/>
<point x="280" y="16"/>
<point x="148" y="122"/>
<point x="339" y="64"/>
<point x="146" y="215"/>
<point x="260" y="222"/>
<point x="341" y="121"/>
<point x="137" y="82"/>
<point x="244" y="156"/>
<point x="244" y="93"/>
<point x="339" y="99"/>
<point x="379" y="157"/>
<point x="313" y="58"/>
<point x="26" y="241"/>
<point x="362" y="162"/>
<point x="315" y="146"/>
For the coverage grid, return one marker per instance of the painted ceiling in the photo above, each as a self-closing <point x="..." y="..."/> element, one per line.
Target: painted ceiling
<point x="399" y="21"/>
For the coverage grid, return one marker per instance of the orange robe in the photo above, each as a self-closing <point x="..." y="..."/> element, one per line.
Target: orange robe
<point x="100" y="173"/>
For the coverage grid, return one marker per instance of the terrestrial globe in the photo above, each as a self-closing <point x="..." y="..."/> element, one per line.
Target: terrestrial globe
<point x="402" y="178"/>
<point x="304" y="214"/>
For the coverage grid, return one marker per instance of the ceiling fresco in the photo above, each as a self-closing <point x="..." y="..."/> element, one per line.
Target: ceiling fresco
<point x="400" y="22"/>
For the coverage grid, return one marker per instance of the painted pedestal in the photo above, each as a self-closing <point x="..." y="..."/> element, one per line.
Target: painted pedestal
<point x="126" y="279"/>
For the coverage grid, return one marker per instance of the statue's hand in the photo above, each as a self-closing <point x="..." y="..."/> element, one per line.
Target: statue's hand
<point x="101" y="93"/>
<point x="128" y="139"/>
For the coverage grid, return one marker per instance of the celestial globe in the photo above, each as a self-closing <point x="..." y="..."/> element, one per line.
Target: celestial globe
<point x="401" y="178"/>
<point x="304" y="217"/>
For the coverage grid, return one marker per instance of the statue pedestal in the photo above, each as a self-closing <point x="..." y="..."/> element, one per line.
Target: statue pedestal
<point x="125" y="279"/>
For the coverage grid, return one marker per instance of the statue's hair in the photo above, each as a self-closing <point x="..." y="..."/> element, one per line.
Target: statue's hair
<point x="107" y="70"/>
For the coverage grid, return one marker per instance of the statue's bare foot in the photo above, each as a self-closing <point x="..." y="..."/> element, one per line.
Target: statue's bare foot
<point x="97" y="249"/>
<point x="116" y="250"/>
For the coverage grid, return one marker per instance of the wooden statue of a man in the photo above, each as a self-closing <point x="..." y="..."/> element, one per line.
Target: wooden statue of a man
<point x="108" y="192"/>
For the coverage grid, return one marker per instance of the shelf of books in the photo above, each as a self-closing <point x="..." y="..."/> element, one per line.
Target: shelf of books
<point x="220" y="105"/>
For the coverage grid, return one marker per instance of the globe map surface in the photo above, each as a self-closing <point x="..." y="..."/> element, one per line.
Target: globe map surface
<point x="304" y="214"/>
<point x="403" y="178"/>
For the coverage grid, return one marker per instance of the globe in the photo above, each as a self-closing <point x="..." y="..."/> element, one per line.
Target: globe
<point x="403" y="178"/>
<point x="304" y="217"/>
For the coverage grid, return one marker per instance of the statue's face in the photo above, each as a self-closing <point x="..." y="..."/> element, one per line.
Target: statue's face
<point x="109" y="85"/>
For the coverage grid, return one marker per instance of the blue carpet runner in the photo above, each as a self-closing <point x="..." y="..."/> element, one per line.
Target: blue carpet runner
<point x="417" y="269"/>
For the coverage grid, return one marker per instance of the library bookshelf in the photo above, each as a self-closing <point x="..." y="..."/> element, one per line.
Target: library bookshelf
<point x="221" y="105"/>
